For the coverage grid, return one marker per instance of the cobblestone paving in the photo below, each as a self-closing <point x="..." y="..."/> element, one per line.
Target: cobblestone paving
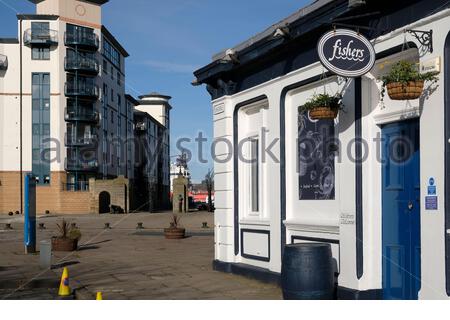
<point x="125" y="263"/>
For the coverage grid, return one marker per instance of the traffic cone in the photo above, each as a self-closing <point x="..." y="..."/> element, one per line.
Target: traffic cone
<point x="64" y="289"/>
<point x="99" y="296"/>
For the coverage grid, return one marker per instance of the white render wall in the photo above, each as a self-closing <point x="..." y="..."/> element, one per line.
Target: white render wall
<point x="321" y="219"/>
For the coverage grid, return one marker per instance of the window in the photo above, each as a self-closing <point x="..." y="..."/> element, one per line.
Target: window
<point x="119" y="102"/>
<point x="119" y="82"/>
<point x="111" y="53"/>
<point x="38" y="53"/>
<point x="105" y="92"/>
<point x="254" y="174"/>
<point x="112" y="95"/>
<point x="112" y="117"/>
<point x="105" y="66"/>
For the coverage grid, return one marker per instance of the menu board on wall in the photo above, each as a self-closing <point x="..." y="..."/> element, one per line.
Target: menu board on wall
<point x="316" y="158"/>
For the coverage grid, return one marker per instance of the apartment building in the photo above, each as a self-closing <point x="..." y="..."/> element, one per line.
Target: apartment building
<point x="63" y="112"/>
<point x="151" y="184"/>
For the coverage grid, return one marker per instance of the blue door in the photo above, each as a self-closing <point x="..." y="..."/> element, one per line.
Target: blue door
<point x="401" y="210"/>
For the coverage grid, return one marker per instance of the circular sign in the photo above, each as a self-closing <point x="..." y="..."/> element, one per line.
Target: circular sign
<point x="346" y="53"/>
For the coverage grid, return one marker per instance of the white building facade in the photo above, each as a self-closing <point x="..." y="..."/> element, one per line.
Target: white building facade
<point x="277" y="199"/>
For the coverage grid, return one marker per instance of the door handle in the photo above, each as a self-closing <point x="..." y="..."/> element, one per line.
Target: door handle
<point x="410" y="206"/>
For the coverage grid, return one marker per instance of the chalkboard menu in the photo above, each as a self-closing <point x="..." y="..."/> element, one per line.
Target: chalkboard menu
<point x="316" y="158"/>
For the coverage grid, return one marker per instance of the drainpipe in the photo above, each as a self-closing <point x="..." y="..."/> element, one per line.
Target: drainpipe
<point x="21" y="115"/>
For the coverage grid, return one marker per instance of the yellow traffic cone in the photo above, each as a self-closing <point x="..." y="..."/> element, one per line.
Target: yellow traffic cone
<point x="64" y="289"/>
<point x="99" y="296"/>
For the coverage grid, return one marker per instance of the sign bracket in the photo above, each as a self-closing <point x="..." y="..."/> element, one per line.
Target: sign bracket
<point x="424" y="37"/>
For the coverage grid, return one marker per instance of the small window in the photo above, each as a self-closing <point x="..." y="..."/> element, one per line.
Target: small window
<point x="112" y="95"/>
<point x="38" y="53"/>
<point x="105" y="67"/>
<point x="112" y="116"/>
<point x="112" y="72"/>
<point x="119" y="82"/>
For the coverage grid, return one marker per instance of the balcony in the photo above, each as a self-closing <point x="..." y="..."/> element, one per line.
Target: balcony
<point x="74" y="165"/>
<point x="81" y="113"/>
<point x="3" y="62"/>
<point x="87" y="65"/>
<point x="40" y="37"/>
<point x="72" y="140"/>
<point x="81" y="90"/>
<point x="87" y="41"/>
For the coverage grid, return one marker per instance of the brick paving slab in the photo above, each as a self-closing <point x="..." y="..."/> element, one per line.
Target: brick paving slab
<point x="128" y="264"/>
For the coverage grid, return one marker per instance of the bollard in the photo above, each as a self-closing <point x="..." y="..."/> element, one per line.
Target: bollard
<point x="45" y="254"/>
<point x="8" y="226"/>
<point x="140" y="226"/>
<point x="107" y="225"/>
<point x="41" y="226"/>
<point x="205" y="225"/>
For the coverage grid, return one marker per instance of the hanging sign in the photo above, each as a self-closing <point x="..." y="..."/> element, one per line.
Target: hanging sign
<point x="346" y="53"/>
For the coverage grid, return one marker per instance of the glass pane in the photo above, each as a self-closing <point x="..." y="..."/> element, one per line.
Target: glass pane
<point x="255" y="175"/>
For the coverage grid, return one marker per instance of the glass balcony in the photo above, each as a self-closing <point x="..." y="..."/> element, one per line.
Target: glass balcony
<point x="40" y="37"/>
<point x="85" y="40"/>
<point x="73" y="140"/>
<point x="76" y="165"/>
<point x="3" y="62"/>
<point x="81" y="113"/>
<point x="88" y="65"/>
<point x="81" y="89"/>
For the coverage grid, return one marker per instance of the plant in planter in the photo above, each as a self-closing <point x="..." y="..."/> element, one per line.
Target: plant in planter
<point x="174" y="232"/>
<point x="405" y="82"/>
<point x="322" y="106"/>
<point x="68" y="237"/>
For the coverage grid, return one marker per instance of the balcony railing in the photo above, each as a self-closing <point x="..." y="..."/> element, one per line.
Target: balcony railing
<point x="72" y="140"/>
<point x="3" y="62"/>
<point x="82" y="90"/>
<point x="82" y="39"/>
<point x="74" y="165"/>
<point x="81" y="114"/>
<point x="81" y="64"/>
<point x="40" y="37"/>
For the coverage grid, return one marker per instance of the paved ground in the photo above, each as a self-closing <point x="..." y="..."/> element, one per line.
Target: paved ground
<point x="125" y="263"/>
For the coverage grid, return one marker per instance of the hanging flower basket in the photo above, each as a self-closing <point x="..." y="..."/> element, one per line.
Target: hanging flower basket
<point x="323" y="113"/>
<point x="405" y="91"/>
<point x="322" y="107"/>
<point x="405" y="82"/>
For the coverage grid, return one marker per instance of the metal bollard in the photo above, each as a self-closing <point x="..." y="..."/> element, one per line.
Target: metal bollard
<point x="107" y="225"/>
<point x="140" y="226"/>
<point x="45" y="254"/>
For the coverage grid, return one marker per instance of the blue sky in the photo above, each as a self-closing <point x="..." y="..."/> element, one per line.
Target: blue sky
<point x="168" y="40"/>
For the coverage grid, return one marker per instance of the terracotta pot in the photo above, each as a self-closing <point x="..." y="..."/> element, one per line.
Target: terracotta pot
<point x="405" y="91"/>
<point x="64" y="244"/>
<point x="322" y="113"/>
<point x="175" y="233"/>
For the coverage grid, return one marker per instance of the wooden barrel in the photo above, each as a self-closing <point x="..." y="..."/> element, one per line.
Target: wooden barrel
<point x="307" y="272"/>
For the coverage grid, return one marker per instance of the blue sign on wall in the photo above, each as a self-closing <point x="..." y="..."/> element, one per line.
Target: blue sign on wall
<point x="346" y="53"/>
<point x="431" y="203"/>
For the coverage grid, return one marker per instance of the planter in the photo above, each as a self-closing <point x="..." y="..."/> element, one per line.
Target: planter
<point x="175" y="233"/>
<point x="405" y="91"/>
<point x="64" y="244"/>
<point x="322" y="113"/>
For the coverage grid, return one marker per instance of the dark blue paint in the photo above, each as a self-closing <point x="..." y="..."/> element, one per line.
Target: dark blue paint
<point x="401" y="211"/>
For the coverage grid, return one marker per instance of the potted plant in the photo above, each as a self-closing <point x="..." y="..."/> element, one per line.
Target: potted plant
<point x="174" y="232"/>
<point x="405" y="82"/>
<point x="322" y="106"/>
<point x="68" y="237"/>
